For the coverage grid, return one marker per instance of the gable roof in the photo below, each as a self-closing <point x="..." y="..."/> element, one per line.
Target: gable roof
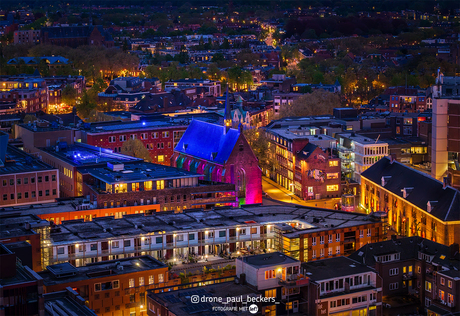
<point x="307" y="151"/>
<point x="408" y="248"/>
<point x="424" y="188"/>
<point x="204" y="140"/>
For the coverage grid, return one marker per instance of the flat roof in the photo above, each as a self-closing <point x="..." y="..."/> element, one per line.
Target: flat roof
<point x="80" y="154"/>
<point x="68" y="302"/>
<point x="49" y="127"/>
<point x="13" y="225"/>
<point x="361" y="139"/>
<point x="268" y="259"/>
<point x="137" y="172"/>
<point x="17" y="161"/>
<point x="332" y="268"/>
<point x="179" y="302"/>
<point x="102" y="269"/>
<point x="303" y="219"/>
<point x="118" y="126"/>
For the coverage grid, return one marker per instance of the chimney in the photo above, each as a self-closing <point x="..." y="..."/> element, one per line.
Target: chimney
<point x="445" y="182"/>
<point x="392" y="158"/>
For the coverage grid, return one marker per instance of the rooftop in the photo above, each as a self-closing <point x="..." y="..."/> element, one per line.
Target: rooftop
<point x="409" y="248"/>
<point x="444" y="201"/>
<point x="332" y="268"/>
<point x="14" y="225"/>
<point x="44" y="127"/>
<point x="68" y="302"/>
<point x="17" y="162"/>
<point x="136" y="172"/>
<point x="80" y="154"/>
<point x="179" y="302"/>
<point x="360" y="139"/>
<point x="67" y="273"/>
<point x="296" y="220"/>
<point x="268" y="260"/>
<point x="117" y="126"/>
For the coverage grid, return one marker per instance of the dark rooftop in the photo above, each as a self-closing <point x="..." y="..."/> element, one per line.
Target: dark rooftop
<point x="331" y="268"/>
<point x="18" y="161"/>
<point x="424" y="189"/>
<point x="125" y="126"/>
<point x="137" y="172"/>
<point x="68" y="302"/>
<point x="268" y="259"/>
<point x="179" y="302"/>
<point x="409" y="248"/>
<point x="80" y="154"/>
<point x="15" y="225"/>
<point x="67" y="273"/>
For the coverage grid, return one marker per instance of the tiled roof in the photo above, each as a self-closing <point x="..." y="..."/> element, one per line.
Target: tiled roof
<point x="424" y="189"/>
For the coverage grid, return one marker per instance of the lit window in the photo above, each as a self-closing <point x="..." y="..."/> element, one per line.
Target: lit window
<point x="333" y="187"/>
<point x="333" y="163"/>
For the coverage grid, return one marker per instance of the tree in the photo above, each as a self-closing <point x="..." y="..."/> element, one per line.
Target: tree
<point x="29" y="118"/>
<point x="135" y="148"/>
<point x="69" y="95"/>
<point x="239" y="77"/>
<point x="318" y="102"/>
<point x="263" y="149"/>
<point x="85" y="106"/>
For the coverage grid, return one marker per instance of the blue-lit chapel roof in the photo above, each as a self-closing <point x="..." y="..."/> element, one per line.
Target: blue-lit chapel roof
<point x="208" y="141"/>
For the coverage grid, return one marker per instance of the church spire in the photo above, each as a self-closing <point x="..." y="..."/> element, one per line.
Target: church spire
<point x="227" y="113"/>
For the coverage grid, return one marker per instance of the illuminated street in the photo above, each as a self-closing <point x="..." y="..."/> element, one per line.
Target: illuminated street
<point x="276" y="192"/>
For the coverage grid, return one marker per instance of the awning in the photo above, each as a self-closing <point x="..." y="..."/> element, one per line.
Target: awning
<point x="438" y="310"/>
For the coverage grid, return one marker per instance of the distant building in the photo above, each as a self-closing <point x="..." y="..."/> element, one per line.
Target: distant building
<point x="31" y="94"/>
<point x="415" y="203"/>
<point x="52" y="62"/>
<point x="128" y="91"/>
<point x="213" y="88"/>
<point x="334" y="88"/>
<point x="403" y="99"/>
<point x="75" y="36"/>
<point x="27" y="37"/>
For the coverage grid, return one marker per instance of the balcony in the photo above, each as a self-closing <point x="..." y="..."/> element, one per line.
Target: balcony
<point x="409" y="276"/>
<point x="295" y="280"/>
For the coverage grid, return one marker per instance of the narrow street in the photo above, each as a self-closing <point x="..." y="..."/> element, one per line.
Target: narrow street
<point x="278" y="193"/>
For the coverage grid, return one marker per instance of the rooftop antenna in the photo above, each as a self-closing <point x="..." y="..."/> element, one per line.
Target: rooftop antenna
<point x="377" y="139"/>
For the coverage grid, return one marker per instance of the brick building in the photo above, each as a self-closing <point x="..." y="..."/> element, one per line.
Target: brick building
<point x="27" y="37"/>
<point x="116" y="287"/>
<point x="68" y="158"/>
<point x="342" y="286"/>
<point x="221" y="154"/>
<point x="415" y="203"/>
<point x="317" y="235"/>
<point x="75" y="36"/>
<point x="31" y="94"/>
<point x="212" y="87"/>
<point x="159" y="136"/>
<point x="21" y="289"/>
<point x="24" y="179"/>
<point x="140" y="183"/>
<point x="26" y="228"/>
<point x="41" y="133"/>
<point x="404" y="99"/>
<point x="419" y="267"/>
<point x="304" y="164"/>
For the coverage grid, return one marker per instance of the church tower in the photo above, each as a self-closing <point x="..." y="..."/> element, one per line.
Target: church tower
<point x="227" y="114"/>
